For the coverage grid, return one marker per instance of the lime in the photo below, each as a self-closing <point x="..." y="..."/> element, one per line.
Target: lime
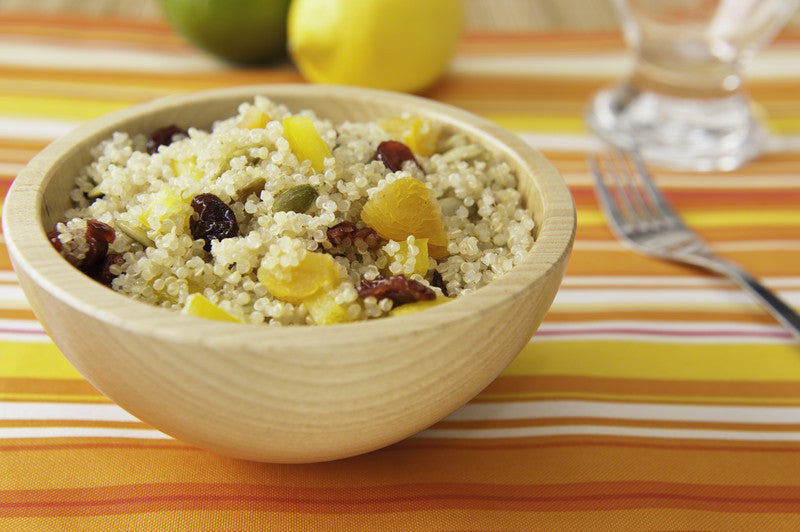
<point x="243" y="31"/>
<point x="401" y="45"/>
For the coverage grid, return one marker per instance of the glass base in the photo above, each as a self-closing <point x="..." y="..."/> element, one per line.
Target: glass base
<point x="680" y="133"/>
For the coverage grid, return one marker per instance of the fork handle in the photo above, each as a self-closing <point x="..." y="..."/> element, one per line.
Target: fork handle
<point x="779" y="309"/>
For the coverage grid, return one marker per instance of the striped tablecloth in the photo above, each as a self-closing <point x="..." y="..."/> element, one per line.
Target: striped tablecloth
<point x="653" y="396"/>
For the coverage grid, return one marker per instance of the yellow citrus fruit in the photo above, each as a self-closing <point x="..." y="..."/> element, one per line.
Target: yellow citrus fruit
<point x="243" y="31"/>
<point x="200" y="306"/>
<point x="405" y="207"/>
<point x="400" y="45"/>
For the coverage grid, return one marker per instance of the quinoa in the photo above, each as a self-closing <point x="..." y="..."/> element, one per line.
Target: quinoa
<point x="247" y="162"/>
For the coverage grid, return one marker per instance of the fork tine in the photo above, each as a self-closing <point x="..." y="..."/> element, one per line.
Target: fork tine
<point x="608" y="204"/>
<point x="637" y="199"/>
<point x="655" y="197"/>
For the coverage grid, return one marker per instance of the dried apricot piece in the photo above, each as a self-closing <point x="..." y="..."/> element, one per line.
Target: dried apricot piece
<point x="305" y="142"/>
<point x="405" y="207"/>
<point x="420" y="260"/>
<point x="200" y="306"/>
<point x="324" y="310"/>
<point x="419" y="134"/>
<point x="410" y="308"/>
<point x="295" y="281"/>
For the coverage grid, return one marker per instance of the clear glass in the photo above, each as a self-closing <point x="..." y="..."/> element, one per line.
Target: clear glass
<point x="684" y="106"/>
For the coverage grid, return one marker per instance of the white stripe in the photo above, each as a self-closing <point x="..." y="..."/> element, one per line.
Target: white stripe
<point x="595" y="430"/>
<point x="11" y="169"/>
<point x="530" y="410"/>
<point x="771" y="64"/>
<point x="665" y="332"/>
<point x="34" y="128"/>
<point x="8" y="276"/>
<point x="653" y="280"/>
<point x="63" y="411"/>
<point x="627" y="411"/>
<point x="11" y="292"/>
<point x="38" y="55"/>
<point x="7" y="433"/>
<point x="699" y="298"/>
<point x="743" y="245"/>
<point x="589" y="143"/>
<point x="23" y="325"/>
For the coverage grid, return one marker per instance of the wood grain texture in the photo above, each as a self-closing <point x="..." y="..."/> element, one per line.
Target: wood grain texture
<point x="291" y="394"/>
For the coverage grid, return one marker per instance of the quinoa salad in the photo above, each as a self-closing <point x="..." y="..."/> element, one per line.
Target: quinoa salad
<point x="283" y="218"/>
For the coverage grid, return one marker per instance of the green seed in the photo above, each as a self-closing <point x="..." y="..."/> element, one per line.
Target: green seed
<point x="136" y="233"/>
<point x="298" y="199"/>
<point x="254" y="187"/>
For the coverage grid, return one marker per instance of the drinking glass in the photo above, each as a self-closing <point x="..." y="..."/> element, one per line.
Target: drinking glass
<point x="684" y="105"/>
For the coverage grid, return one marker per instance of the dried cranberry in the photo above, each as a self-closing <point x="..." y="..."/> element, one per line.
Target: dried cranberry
<point x="346" y="233"/>
<point x="163" y="137"/>
<point x="438" y="282"/>
<point x="398" y="288"/>
<point x="104" y="274"/>
<point x="98" y="237"/>
<point x="393" y="154"/>
<point x="52" y="236"/>
<point x="212" y="220"/>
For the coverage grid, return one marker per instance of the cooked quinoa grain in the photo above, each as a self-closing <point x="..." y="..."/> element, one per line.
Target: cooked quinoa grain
<point x="291" y="246"/>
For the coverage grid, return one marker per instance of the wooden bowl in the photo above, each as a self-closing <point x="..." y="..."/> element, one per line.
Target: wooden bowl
<point x="287" y="394"/>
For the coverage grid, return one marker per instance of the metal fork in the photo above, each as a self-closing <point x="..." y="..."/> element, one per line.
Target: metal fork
<point x="639" y="214"/>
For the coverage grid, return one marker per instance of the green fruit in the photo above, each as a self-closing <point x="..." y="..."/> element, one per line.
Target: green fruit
<point x="242" y="31"/>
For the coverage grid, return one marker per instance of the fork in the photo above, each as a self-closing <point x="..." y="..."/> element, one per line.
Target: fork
<point x="639" y="214"/>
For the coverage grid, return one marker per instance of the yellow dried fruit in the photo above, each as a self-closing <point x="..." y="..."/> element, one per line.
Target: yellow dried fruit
<point x="186" y="167"/>
<point x="165" y="204"/>
<point x="421" y="259"/>
<point x="419" y="134"/>
<point x="405" y="207"/>
<point x="314" y="272"/>
<point x="200" y="306"/>
<point x="324" y="309"/>
<point x="410" y="308"/>
<point x="305" y="142"/>
<point x="254" y="118"/>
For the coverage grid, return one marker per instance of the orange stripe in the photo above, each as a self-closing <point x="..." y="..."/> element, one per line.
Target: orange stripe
<point x="125" y="499"/>
<point x="624" y="262"/>
<point x="59" y="387"/>
<point x="421" y="520"/>
<point x="643" y="389"/>
<point x="558" y="459"/>
<point x="612" y="422"/>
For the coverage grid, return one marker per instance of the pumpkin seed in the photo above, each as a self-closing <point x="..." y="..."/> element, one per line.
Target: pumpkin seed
<point x="253" y="187"/>
<point x="135" y="233"/>
<point x="297" y="198"/>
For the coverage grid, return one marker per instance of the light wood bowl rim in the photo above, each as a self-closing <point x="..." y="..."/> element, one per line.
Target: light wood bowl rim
<point x="33" y="251"/>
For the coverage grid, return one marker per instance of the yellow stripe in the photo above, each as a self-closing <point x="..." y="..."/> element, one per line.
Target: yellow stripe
<point x="784" y="125"/>
<point x="645" y="360"/>
<point x="548" y="124"/>
<point x="58" y="108"/>
<point x="787" y="401"/>
<point x="729" y="218"/>
<point x="54" y="398"/>
<point x="34" y="360"/>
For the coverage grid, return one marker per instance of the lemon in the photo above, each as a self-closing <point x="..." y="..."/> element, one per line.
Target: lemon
<point x="243" y="31"/>
<point x="400" y="45"/>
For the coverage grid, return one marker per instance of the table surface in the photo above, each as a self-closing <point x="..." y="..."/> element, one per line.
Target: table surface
<point x="653" y="396"/>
